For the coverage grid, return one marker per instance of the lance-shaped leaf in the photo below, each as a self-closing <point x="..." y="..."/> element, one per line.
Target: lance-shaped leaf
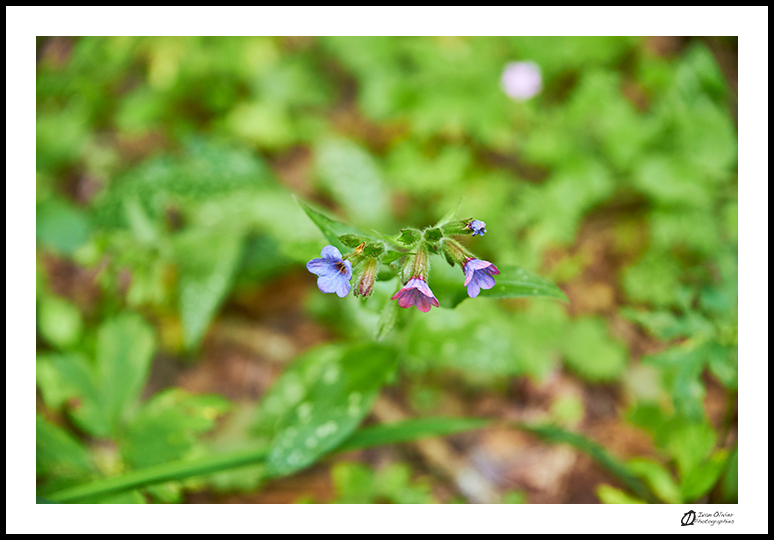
<point x="450" y="215"/>
<point x="512" y="282"/>
<point x="516" y="282"/>
<point x="320" y="401"/>
<point x="207" y="263"/>
<point x="125" y="346"/>
<point x="331" y="228"/>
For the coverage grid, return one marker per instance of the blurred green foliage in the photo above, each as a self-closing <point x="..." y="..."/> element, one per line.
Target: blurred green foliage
<point x="161" y="172"/>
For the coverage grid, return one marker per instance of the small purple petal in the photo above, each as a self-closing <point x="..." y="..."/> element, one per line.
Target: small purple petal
<point x="485" y="281"/>
<point x="343" y="288"/>
<point x="416" y="293"/>
<point x="478" y="275"/>
<point x="478" y="227"/>
<point x="473" y="289"/>
<point x="331" y="252"/>
<point x="328" y="283"/>
<point x="318" y="266"/>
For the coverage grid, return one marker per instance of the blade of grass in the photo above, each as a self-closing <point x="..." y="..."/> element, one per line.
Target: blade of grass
<point x="410" y="430"/>
<point x="164" y="472"/>
<point x="594" y="450"/>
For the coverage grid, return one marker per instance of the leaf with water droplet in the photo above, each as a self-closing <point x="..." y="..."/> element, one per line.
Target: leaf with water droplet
<point x="333" y="387"/>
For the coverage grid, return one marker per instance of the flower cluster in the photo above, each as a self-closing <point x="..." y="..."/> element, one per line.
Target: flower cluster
<point x="409" y="253"/>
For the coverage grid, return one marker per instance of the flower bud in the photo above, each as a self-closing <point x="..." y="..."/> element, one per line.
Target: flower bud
<point x="465" y="227"/>
<point x="365" y="286"/>
<point x="455" y="252"/>
<point x="421" y="263"/>
<point x="456" y="228"/>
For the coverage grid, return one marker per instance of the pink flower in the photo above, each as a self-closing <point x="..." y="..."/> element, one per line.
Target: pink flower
<point x="416" y="293"/>
<point x="521" y="80"/>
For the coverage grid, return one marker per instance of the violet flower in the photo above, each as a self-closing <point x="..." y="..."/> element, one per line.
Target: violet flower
<point x="478" y="227"/>
<point x="333" y="270"/>
<point x="478" y="275"/>
<point x="416" y="293"/>
<point x="521" y="80"/>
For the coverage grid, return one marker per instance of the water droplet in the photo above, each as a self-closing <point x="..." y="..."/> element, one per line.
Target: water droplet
<point x="305" y="411"/>
<point x="294" y="458"/>
<point x="294" y="391"/>
<point x="331" y="375"/>
<point x="354" y="404"/>
<point x="328" y="428"/>
<point x="311" y="442"/>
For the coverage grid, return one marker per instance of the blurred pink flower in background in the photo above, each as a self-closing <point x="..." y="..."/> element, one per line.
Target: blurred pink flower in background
<point x="521" y="80"/>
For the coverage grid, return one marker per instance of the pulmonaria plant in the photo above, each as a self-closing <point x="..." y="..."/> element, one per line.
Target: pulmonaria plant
<point x="409" y="253"/>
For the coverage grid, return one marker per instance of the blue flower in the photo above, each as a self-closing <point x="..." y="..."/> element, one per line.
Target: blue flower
<point x="334" y="271"/>
<point x="478" y="227"/>
<point x="478" y="275"/>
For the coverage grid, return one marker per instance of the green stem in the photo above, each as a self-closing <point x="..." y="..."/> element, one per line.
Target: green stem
<point x="164" y="472"/>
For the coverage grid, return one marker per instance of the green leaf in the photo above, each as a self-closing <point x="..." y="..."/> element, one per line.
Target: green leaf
<point x="392" y="255"/>
<point x="166" y="427"/>
<point x="450" y="215"/>
<point x="516" y="282"/>
<point x="387" y="320"/>
<point x="207" y="263"/>
<point x="321" y="400"/>
<point x="125" y="346"/>
<point x="699" y="480"/>
<point x="202" y="171"/>
<point x="610" y="495"/>
<point x="433" y="235"/>
<point x="512" y="282"/>
<point x="67" y="381"/>
<point x="409" y="236"/>
<point x="352" y="240"/>
<point x="351" y="174"/>
<point x="58" y="453"/>
<point x="682" y="367"/>
<point x="729" y="485"/>
<point x="724" y="364"/>
<point x="410" y="430"/>
<point x="590" y="350"/>
<point x="514" y="497"/>
<point x="658" y="479"/>
<point x="373" y="250"/>
<point x="332" y="229"/>
<point x="60" y="226"/>
<point x="358" y="484"/>
<point x="59" y="321"/>
<point x="617" y="468"/>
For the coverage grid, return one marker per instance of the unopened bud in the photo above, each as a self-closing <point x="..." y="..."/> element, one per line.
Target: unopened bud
<point x="455" y="252"/>
<point x="365" y="286"/>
